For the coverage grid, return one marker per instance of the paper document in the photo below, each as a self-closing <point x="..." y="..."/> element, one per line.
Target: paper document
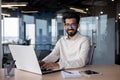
<point x="70" y="74"/>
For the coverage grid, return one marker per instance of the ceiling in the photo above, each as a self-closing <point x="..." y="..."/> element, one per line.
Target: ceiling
<point x="52" y="5"/>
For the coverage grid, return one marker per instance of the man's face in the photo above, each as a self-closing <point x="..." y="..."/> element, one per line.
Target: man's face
<point x="71" y="26"/>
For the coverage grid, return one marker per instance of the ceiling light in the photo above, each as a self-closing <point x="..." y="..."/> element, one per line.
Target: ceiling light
<point x="29" y="11"/>
<point x="118" y="14"/>
<point x="112" y="0"/>
<point x="5" y="14"/>
<point x="101" y="12"/>
<point x="119" y="17"/>
<point x="13" y="4"/>
<point x="78" y="10"/>
<point x="10" y="7"/>
<point x="86" y="9"/>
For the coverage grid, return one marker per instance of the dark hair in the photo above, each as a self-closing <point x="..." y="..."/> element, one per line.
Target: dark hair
<point x="71" y="14"/>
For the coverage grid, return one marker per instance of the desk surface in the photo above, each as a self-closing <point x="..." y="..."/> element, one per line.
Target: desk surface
<point x="110" y="72"/>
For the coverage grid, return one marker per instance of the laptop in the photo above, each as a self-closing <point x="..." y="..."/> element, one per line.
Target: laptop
<point x="26" y="59"/>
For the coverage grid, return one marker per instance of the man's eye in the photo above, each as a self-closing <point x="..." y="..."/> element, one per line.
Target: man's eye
<point x="67" y="24"/>
<point x="73" y="24"/>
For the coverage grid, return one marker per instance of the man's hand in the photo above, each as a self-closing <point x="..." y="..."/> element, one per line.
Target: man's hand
<point x="41" y="63"/>
<point x="50" y="65"/>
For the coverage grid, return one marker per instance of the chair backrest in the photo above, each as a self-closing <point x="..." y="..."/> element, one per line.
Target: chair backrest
<point x="91" y="53"/>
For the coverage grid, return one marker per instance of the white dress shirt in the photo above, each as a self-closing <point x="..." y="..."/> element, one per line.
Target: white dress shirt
<point x="72" y="53"/>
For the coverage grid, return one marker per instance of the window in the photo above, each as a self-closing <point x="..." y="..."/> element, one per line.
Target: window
<point x="10" y="29"/>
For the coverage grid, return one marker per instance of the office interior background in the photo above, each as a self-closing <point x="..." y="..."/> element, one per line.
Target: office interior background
<point x="39" y="23"/>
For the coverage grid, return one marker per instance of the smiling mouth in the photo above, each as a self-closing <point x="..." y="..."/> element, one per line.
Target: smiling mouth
<point x="70" y="30"/>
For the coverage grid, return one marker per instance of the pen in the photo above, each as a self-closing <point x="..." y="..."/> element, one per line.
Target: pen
<point x="67" y="71"/>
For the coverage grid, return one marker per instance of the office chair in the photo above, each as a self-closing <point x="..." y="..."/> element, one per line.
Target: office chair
<point x="91" y="53"/>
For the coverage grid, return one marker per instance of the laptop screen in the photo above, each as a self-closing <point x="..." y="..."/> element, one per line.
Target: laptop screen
<point x="25" y="57"/>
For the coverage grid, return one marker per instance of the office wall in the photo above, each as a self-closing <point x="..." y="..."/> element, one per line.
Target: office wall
<point x="1" y="54"/>
<point x="105" y="49"/>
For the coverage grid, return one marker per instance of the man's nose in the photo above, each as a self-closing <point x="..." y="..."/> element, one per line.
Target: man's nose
<point x="70" y="27"/>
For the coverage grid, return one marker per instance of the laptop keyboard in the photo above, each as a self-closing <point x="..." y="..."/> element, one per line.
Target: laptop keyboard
<point x="44" y="71"/>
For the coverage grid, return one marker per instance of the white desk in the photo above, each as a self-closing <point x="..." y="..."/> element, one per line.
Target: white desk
<point x="110" y="72"/>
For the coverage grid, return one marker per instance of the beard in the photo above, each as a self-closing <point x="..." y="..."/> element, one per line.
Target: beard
<point x="71" y="32"/>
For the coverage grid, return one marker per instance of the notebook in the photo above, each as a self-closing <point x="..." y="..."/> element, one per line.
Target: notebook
<point x="26" y="59"/>
<point x="71" y="74"/>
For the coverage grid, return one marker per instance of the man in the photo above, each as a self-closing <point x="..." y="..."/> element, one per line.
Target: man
<point x="71" y="50"/>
